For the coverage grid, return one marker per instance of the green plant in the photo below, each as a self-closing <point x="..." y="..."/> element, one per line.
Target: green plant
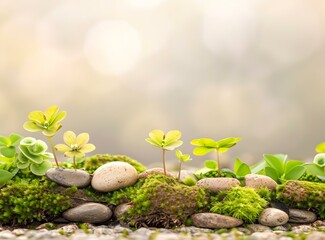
<point x="33" y="156"/>
<point x="239" y="202"/>
<point x="317" y="167"/>
<point x="206" y="145"/>
<point x="182" y="158"/>
<point x="8" y="155"/>
<point x="76" y="146"/>
<point x="279" y="168"/>
<point x="48" y="122"/>
<point x="167" y="142"/>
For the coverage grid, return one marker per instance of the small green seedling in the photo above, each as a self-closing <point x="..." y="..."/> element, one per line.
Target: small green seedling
<point x="48" y="122"/>
<point x="206" y="145"/>
<point x="317" y="167"/>
<point x="75" y="146"/>
<point x="182" y="158"/>
<point x="33" y="156"/>
<point x="167" y="142"/>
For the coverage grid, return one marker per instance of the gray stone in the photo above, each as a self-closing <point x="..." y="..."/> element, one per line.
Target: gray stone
<point x="69" y="177"/>
<point x="19" y="231"/>
<point x="150" y="171"/>
<point x="302" y="228"/>
<point x="301" y="216"/>
<point x="121" y="209"/>
<point x="113" y="176"/>
<point x="259" y="181"/>
<point x="166" y="236"/>
<point x="263" y="236"/>
<point x="218" y="184"/>
<point x="6" y="234"/>
<point x="316" y="236"/>
<point x="88" y="213"/>
<point x="213" y="220"/>
<point x="273" y="217"/>
<point x="258" y="228"/>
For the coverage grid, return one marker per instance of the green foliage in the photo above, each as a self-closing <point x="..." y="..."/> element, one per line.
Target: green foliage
<point x="90" y="164"/>
<point x="167" y="142"/>
<point x="8" y="155"/>
<point x="319" y="160"/>
<point x="239" y="202"/>
<point x="304" y="195"/>
<point x="76" y="146"/>
<point x="320" y="148"/>
<point x="311" y="178"/>
<point x="33" y="156"/>
<point x="26" y="201"/>
<point x="206" y="145"/>
<point x="182" y="158"/>
<point x="279" y="168"/>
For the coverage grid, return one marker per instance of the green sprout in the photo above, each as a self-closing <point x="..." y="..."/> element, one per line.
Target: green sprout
<point x="182" y="158"/>
<point x="33" y="156"/>
<point x="206" y="145"/>
<point x="75" y="146"/>
<point x="48" y="122"/>
<point x="167" y="142"/>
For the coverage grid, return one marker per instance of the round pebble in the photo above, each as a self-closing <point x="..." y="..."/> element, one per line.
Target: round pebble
<point x="218" y="184"/>
<point x="273" y="217"/>
<point x="113" y="176"/>
<point x="69" y="177"/>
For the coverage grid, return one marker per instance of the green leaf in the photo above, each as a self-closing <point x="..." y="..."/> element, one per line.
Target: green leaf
<point x="8" y="152"/>
<point x="157" y="136"/>
<point x="38" y="147"/>
<point x="295" y="173"/>
<point x="211" y="164"/>
<point x="4" y="141"/>
<point x="172" y="136"/>
<point x="291" y="164"/>
<point x="34" y="158"/>
<point x="46" y="155"/>
<point x="274" y="162"/>
<point x="37" y="117"/>
<point x="40" y="169"/>
<point x="200" y="151"/>
<point x="27" y="141"/>
<point x="178" y="154"/>
<point x="32" y="127"/>
<point x="243" y="170"/>
<point x="257" y="168"/>
<point x="15" y="138"/>
<point x="237" y="164"/>
<point x="50" y="113"/>
<point x="23" y="165"/>
<point x="204" y="142"/>
<point x="59" y="117"/>
<point x="319" y="159"/>
<point x="153" y="142"/>
<point x="186" y="158"/>
<point x="272" y="173"/>
<point x="173" y="145"/>
<point x="227" y="142"/>
<point x="22" y="158"/>
<point x="320" y="147"/>
<point x="314" y="169"/>
<point x="5" y="176"/>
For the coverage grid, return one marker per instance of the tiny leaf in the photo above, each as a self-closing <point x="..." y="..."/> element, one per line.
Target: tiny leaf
<point x="200" y="151"/>
<point x="5" y="176"/>
<point x="295" y="173"/>
<point x="211" y="164"/>
<point x="40" y="169"/>
<point x="8" y="152"/>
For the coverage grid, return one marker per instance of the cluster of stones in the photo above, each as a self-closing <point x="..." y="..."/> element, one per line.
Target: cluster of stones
<point x="116" y="175"/>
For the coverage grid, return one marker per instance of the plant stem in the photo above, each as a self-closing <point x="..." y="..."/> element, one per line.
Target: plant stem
<point x="74" y="163"/>
<point x="218" y="160"/>
<point x="164" y="162"/>
<point x="179" y="171"/>
<point x="53" y="151"/>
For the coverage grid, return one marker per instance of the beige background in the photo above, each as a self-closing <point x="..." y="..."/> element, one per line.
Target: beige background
<point x="246" y="68"/>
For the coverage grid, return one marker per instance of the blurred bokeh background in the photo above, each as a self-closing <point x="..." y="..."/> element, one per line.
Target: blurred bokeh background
<point x="217" y="68"/>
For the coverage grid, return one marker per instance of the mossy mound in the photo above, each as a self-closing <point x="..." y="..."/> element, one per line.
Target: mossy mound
<point x="24" y="201"/>
<point x="164" y="202"/>
<point x="239" y="202"/>
<point x="90" y="164"/>
<point x="303" y="195"/>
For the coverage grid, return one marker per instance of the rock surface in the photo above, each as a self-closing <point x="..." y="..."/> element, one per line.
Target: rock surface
<point x="113" y="176"/>
<point x="88" y="213"/>
<point x="301" y="216"/>
<point x="259" y="181"/>
<point x="149" y="171"/>
<point x="69" y="177"/>
<point x="213" y="220"/>
<point x="273" y="217"/>
<point x="218" y="184"/>
<point x="187" y="173"/>
<point x="121" y="209"/>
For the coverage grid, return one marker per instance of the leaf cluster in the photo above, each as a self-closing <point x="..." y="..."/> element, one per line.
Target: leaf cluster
<point x="168" y="142"/>
<point x="206" y="145"/>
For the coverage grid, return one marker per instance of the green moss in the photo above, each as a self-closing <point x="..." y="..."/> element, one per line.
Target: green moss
<point x="90" y="164"/>
<point x="304" y="195"/>
<point x="23" y="201"/>
<point x="165" y="202"/>
<point x="239" y="202"/>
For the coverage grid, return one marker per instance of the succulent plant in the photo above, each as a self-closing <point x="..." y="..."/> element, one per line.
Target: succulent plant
<point x="76" y="146"/>
<point x="33" y="156"/>
<point x="48" y="122"/>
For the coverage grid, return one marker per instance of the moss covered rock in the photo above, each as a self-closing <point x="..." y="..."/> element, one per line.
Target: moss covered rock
<point x="303" y="195"/>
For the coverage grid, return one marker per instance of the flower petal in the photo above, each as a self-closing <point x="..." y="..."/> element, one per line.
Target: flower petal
<point x="62" y="148"/>
<point x="32" y="127"/>
<point x="88" y="148"/>
<point x="74" y="154"/>
<point x="69" y="138"/>
<point x="82" y="139"/>
<point x="50" y="113"/>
